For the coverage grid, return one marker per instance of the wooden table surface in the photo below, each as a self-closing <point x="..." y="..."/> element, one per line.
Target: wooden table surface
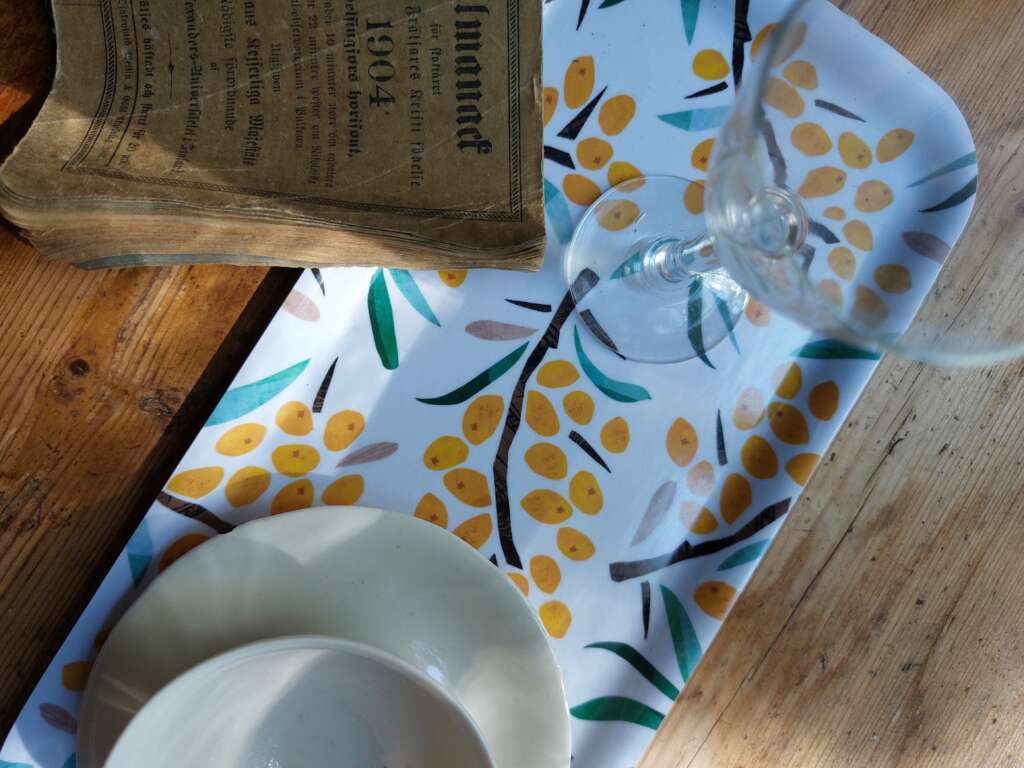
<point x="884" y="627"/>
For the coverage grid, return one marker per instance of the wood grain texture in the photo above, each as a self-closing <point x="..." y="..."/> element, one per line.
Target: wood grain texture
<point x="885" y="626"/>
<point x="95" y="403"/>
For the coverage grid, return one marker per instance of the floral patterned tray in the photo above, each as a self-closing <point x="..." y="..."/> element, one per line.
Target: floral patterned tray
<point x="629" y="503"/>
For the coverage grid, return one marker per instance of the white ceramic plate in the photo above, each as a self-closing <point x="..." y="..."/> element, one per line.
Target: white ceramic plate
<point x="387" y="580"/>
<point x="302" y="701"/>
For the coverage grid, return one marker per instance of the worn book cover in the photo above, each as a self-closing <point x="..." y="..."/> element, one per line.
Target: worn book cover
<point x="297" y="131"/>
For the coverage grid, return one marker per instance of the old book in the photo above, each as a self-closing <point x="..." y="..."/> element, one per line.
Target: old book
<point x="298" y="132"/>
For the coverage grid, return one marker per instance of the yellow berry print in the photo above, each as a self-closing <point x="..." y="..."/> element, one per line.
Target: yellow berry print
<point x="574" y="544"/>
<point x="547" y="460"/>
<point x="788" y="380"/>
<point x="433" y="510"/>
<point x="615" y="435"/>
<point x="296" y="459"/>
<point x="715" y="598"/>
<point x="468" y="486"/>
<point x="546" y="506"/>
<point x="476" y="530"/>
<point x="579" y="81"/>
<point x="802" y="74"/>
<point x="616" y="114"/>
<point x="342" y="430"/>
<point x="824" y="400"/>
<point x="800" y="467"/>
<point x="893" y="278"/>
<point x="736" y="498"/>
<point x="593" y="153"/>
<point x="759" y="458"/>
<point x="858" y="234"/>
<point x="784" y="97"/>
<point x="239" y="440"/>
<point x="811" y="139"/>
<point x="585" y="493"/>
<point x="701" y="479"/>
<point x="681" y="442"/>
<point x="616" y="215"/>
<point x="178" y="548"/>
<point x="540" y="414"/>
<point x="557" y="373"/>
<point x="445" y="452"/>
<point x="344" y="491"/>
<point x="545" y="573"/>
<point x="853" y="150"/>
<point x="579" y="407"/>
<point x="709" y="64"/>
<point x="482" y="417"/>
<point x="894" y="144"/>
<point x="296" y="495"/>
<point x="520" y="581"/>
<point x="246" y="486"/>
<point x="453" y="278"/>
<point x="196" y="483"/>
<point x="823" y="182"/>
<point x="294" y="418"/>
<point x="556" y="617"/>
<point x="788" y="424"/>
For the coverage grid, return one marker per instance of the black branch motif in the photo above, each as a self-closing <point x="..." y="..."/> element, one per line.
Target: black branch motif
<point x="586" y="280"/>
<point x="633" y="569"/>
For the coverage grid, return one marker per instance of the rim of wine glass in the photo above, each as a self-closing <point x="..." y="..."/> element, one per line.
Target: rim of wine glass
<point x="742" y="133"/>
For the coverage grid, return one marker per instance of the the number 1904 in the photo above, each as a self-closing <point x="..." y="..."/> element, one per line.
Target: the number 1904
<point x="380" y="45"/>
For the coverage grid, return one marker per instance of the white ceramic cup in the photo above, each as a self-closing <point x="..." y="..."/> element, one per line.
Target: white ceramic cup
<point x="301" y="701"/>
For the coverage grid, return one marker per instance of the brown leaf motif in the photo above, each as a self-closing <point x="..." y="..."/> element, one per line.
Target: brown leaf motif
<point x="657" y="508"/>
<point x="492" y="330"/>
<point x="372" y="452"/>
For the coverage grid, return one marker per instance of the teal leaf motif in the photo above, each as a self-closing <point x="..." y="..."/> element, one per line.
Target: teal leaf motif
<point x="241" y="400"/>
<point x="833" y="349"/>
<point x="691" y="9"/>
<point x="961" y="162"/>
<point x="744" y="555"/>
<point x="71" y="762"/>
<point x="697" y="119"/>
<point x="140" y="553"/>
<point x="618" y="709"/>
<point x="957" y="198"/>
<point x="478" y="382"/>
<point x="630" y="266"/>
<point x="621" y="391"/>
<point x="694" y="313"/>
<point x="639" y="662"/>
<point x="609" y="3"/>
<point x="6" y="764"/>
<point x="558" y="212"/>
<point x="407" y="285"/>
<point x="684" y="636"/>
<point x="382" y="321"/>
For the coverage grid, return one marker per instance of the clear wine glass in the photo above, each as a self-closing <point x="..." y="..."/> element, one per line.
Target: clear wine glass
<point x="839" y="222"/>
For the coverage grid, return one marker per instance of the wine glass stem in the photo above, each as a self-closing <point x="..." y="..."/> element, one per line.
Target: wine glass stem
<point x="667" y="261"/>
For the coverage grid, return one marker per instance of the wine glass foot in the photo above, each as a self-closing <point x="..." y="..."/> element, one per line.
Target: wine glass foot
<point x="656" y="292"/>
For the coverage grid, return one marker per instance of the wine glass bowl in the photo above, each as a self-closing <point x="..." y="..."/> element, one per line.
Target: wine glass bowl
<point x="836" y="188"/>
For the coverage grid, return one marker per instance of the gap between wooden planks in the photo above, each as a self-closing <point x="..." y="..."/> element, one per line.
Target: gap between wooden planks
<point x="885" y="626"/>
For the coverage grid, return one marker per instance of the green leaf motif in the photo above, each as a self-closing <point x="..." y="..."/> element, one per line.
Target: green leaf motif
<point x="382" y="321"/>
<point x="697" y="119"/>
<point x="558" y="212"/>
<point x="966" y="161"/>
<point x="833" y="349"/>
<point x="621" y="391"/>
<point x="957" y="198"/>
<point x="478" y="382"/>
<point x="694" y="327"/>
<point x="407" y="285"/>
<point x="691" y="9"/>
<point x="609" y="3"/>
<point x="241" y="400"/>
<point x="639" y="662"/>
<point x="684" y="636"/>
<point x="618" y="709"/>
<point x="744" y="555"/>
